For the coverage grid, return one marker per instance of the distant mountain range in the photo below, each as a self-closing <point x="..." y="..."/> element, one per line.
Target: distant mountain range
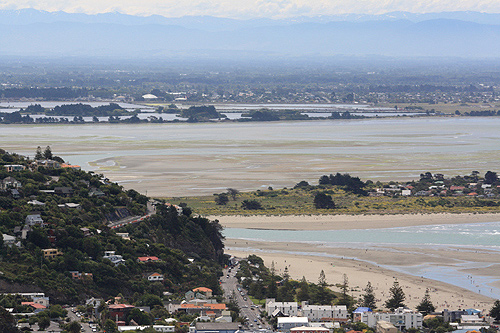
<point x="31" y="32"/>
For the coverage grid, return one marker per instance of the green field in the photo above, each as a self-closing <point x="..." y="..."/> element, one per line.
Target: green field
<point x="300" y="201"/>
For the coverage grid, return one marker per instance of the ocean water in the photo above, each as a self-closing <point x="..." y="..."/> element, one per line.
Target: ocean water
<point x="478" y="236"/>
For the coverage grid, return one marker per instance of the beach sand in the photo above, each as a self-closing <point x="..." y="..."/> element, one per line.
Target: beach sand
<point x="371" y="264"/>
<point x="342" y="222"/>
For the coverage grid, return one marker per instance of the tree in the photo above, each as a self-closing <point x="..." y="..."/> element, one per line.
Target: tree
<point x="221" y="199"/>
<point x="233" y="193"/>
<point x="344" y="288"/>
<point x="303" y="292"/>
<point x="322" y="279"/>
<point x="74" y="327"/>
<point x="7" y="322"/>
<point x="110" y="326"/>
<point x="495" y="310"/>
<point x="490" y="177"/>
<point x="43" y="322"/>
<point x="368" y="298"/>
<point x="426" y="306"/>
<point x="47" y="153"/>
<point x="251" y="204"/>
<point x="397" y="297"/>
<point x="38" y="154"/>
<point x="323" y="201"/>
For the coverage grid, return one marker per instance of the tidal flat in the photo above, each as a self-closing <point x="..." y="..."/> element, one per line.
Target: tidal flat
<point x="195" y="159"/>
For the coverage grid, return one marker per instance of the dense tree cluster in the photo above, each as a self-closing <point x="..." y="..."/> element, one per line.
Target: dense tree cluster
<point x="350" y="184"/>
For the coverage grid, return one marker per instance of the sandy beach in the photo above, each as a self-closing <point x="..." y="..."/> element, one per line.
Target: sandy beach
<point x="343" y="222"/>
<point x="380" y="265"/>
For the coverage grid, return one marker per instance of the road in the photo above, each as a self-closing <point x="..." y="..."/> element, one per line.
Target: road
<point x="72" y="315"/>
<point x="247" y="308"/>
<point x="151" y="209"/>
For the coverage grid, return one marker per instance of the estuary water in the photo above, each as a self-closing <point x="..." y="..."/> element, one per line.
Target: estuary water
<point x="416" y="240"/>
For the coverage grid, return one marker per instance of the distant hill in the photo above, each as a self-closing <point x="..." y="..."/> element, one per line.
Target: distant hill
<point x="401" y="34"/>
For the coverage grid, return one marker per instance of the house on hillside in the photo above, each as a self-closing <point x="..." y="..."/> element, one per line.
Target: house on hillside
<point x="155" y="277"/>
<point x="10" y="183"/>
<point x="148" y="259"/>
<point x="116" y="259"/>
<point x="51" y="253"/>
<point x="206" y="291"/>
<point x="14" y="167"/>
<point x="34" y="219"/>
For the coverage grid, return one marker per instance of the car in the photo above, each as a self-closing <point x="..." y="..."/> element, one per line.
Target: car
<point x="260" y="326"/>
<point x="255" y="320"/>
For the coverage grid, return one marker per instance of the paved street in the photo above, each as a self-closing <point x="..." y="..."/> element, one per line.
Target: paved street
<point x="247" y="308"/>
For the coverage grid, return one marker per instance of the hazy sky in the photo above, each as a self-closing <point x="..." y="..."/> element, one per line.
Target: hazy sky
<point x="252" y="8"/>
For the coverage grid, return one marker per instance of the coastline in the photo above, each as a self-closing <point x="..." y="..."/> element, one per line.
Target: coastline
<point x="349" y="222"/>
<point x="457" y="277"/>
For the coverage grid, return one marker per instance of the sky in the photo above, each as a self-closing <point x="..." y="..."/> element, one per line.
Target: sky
<point x="246" y="9"/>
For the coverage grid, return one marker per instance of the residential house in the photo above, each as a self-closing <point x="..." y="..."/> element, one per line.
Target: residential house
<point x="63" y="191"/>
<point x="72" y="167"/>
<point x="324" y="312"/>
<point x="220" y="327"/>
<point x="119" y="312"/>
<point x="51" y="253"/>
<point x="116" y="259"/>
<point x="15" y="193"/>
<point x="14" y="167"/>
<point x="34" y="219"/>
<point x="86" y="232"/>
<point x="45" y="301"/>
<point x="157" y="328"/>
<point x="9" y="182"/>
<point x="287" y="308"/>
<point x="95" y="192"/>
<point x="148" y="259"/>
<point x="287" y="323"/>
<point x="49" y="164"/>
<point x="385" y="327"/>
<point x="402" y="318"/>
<point x="155" y="277"/>
<point x="76" y="275"/>
<point x="309" y="329"/>
<point x="206" y="291"/>
<point x="8" y="240"/>
<point x="35" y="306"/>
<point x="36" y="203"/>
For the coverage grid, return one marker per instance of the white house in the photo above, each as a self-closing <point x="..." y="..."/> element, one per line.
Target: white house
<point x="287" y="308"/>
<point x="116" y="259"/>
<point x="34" y="219"/>
<point x="155" y="277"/>
<point x="401" y="318"/>
<point x="325" y="312"/>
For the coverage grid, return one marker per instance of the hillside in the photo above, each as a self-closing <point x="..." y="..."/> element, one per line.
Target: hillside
<point x="75" y="213"/>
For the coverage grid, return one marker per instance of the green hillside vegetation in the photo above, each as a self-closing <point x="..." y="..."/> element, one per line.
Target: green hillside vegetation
<point x="189" y="247"/>
<point x="350" y="195"/>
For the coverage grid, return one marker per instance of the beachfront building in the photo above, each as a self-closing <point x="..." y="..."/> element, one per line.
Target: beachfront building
<point x="287" y="308"/>
<point x="324" y="312"/>
<point x="285" y="324"/>
<point x="401" y="318"/>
